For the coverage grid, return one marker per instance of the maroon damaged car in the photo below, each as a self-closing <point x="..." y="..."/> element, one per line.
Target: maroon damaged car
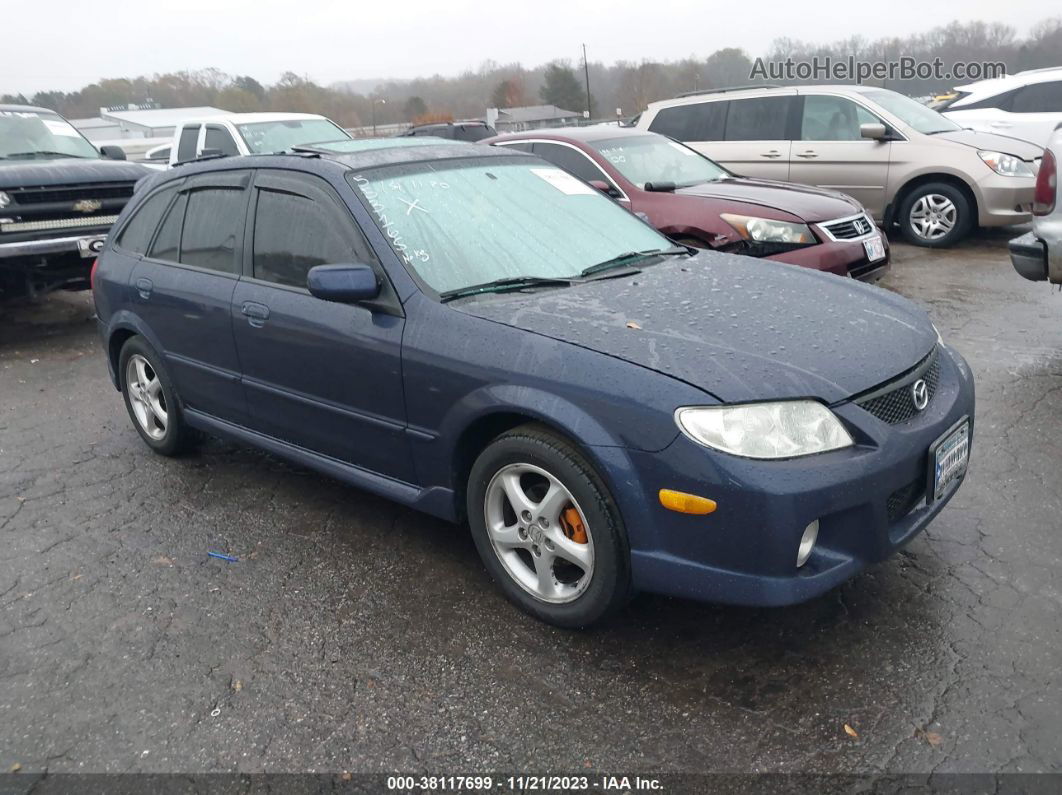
<point x="695" y="201"/>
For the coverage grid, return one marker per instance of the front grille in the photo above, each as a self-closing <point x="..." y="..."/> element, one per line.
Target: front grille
<point x="902" y="501"/>
<point x="849" y="228"/>
<point x="58" y="223"/>
<point x="894" y="402"/>
<point x="860" y="269"/>
<point x="72" y="193"/>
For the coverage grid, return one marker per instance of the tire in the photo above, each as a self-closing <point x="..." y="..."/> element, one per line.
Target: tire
<point x="138" y="363"/>
<point x="940" y="201"/>
<point x="518" y="552"/>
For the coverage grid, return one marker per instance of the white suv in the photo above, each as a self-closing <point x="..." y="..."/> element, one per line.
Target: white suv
<point x="250" y="134"/>
<point x="1027" y="105"/>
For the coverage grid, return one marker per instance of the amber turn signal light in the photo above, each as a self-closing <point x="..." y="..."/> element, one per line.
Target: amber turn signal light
<point x="685" y="503"/>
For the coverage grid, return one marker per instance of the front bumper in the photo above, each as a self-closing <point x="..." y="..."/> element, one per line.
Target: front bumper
<point x="56" y="245"/>
<point x="745" y="552"/>
<point x="842" y="257"/>
<point x="1003" y="201"/>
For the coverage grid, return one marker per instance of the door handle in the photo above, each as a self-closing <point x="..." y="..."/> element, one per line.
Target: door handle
<point x="771" y="153"/>
<point x="256" y="314"/>
<point x="808" y="154"/>
<point x="144" y="287"/>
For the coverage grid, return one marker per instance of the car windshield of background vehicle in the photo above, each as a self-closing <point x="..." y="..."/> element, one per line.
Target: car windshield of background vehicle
<point x="912" y="113"/>
<point x="651" y="158"/>
<point x="461" y="225"/>
<point x="276" y="136"/>
<point x="28" y="135"/>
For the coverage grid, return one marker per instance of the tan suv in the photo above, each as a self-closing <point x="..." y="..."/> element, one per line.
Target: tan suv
<point x="905" y="163"/>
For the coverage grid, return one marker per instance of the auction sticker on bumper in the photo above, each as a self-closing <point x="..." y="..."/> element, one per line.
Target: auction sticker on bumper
<point x="949" y="456"/>
<point x="875" y="248"/>
<point x="91" y="246"/>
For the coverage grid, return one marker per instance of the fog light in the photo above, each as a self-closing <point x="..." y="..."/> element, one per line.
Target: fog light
<point x="807" y="543"/>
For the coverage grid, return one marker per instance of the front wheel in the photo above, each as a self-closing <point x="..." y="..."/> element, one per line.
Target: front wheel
<point x="547" y="528"/>
<point x="935" y="215"/>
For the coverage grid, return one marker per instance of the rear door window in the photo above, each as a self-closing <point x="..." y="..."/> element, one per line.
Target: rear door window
<point x="300" y="224"/>
<point x="704" y="121"/>
<point x="758" y="119"/>
<point x="1039" y="98"/>
<point x="571" y="160"/>
<point x="213" y="223"/>
<point x="137" y="234"/>
<point x="220" y="139"/>
<point x="187" y="144"/>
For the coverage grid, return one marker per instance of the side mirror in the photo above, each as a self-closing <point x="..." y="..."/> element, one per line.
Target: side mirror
<point x="604" y="187"/>
<point x="875" y="132"/>
<point x="660" y="187"/>
<point x="112" y="152"/>
<point x="211" y="153"/>
<point x="344" y="284"/>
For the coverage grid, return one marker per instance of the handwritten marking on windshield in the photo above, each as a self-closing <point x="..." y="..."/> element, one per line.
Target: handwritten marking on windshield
<point x="413" y="205"/>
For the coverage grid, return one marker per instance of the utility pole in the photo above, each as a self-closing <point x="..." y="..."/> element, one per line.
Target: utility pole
<point x="586" y="73"/>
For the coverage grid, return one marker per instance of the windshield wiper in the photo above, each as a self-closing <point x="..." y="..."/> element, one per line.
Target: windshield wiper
<point x="624" y="260"/>
<point x="503" y="285"/>
<point x="42" y="152"/>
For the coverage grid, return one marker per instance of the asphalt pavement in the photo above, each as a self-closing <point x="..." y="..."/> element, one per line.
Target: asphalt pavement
<point x="355" y="634"/>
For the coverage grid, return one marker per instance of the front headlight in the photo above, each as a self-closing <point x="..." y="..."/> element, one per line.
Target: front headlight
<point x="1007" y="165"/>
<point x="765" y="430"/>
<point x="764" y="230"/>
<point x="5" y="200"/>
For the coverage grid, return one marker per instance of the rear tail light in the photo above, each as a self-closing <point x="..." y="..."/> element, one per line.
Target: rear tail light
<point x="92" y="274"/>
<point x="1046" y="185"/>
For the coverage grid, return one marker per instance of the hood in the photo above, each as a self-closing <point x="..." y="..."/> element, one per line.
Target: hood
<point x="67" y="171"/>
<point x="803" y="201"/>
<point x="994" y="143"/>
<point x="741" y="329"/>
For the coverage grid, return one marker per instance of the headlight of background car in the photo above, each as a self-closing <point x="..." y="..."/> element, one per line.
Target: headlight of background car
<point x="772" y="236"/>
<point x="5" y="200"/>
<point x="766" y="430"/>
<point x="1007" y="165"/>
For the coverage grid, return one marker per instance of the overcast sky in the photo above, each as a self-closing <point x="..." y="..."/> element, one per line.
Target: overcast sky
<point x="67" y="44"/>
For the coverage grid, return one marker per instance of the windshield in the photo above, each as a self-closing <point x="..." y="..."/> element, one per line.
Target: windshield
<point x="276" y="136"/>
<point x="913" y="114"/>
<point x="654" y="158"/>
<point x="26" y="134"/>
<point x="464" y="223"/>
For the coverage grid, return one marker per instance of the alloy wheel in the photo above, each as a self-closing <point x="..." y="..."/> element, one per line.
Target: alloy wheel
<point x="933" y="216"/>
<point x="146" y="396"/>
<point x="539" y="533"/>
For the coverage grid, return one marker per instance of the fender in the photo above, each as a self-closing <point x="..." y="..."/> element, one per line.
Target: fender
<point x="125" y="320"/>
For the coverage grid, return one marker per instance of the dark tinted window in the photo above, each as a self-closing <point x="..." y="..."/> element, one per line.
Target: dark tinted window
<point x="137" y="233"/>
<point x="212" y="224"/>
<point x="701" y="122"/>
<point x="473" y="132"/>
<point x="757" y="119"/>
<point x="167" y="244"/>
<point x="571" y="160"/>
<point x="1039" y="98"/>
<point x="293" y="234"/>
<point x="186" y="147"/>
<point x="219" y="138"/>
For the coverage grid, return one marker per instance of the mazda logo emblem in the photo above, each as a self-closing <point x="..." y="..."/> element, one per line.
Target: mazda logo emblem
<point x="920" y="394"/>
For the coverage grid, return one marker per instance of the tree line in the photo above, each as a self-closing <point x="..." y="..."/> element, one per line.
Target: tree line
<point x="624" y="87"/>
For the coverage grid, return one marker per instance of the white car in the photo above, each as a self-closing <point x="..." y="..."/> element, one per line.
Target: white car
<point x="250" y="134"/>
<point x="1026" y="105"/>
<point x="1038" y="255"/>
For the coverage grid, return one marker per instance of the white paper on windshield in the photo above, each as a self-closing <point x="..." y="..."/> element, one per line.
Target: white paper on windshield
<point x="563" y="181"/>
<point x="684" y="149"/>
<point x="60" y="128"/>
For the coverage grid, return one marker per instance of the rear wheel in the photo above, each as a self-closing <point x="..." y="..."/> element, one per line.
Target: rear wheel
<point x="547" y="529"/>
<point x="935" y="215"/>
<point x="151" y="399"/>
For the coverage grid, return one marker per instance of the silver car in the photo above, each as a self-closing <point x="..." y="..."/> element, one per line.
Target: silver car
<point x="904" y="162"/>
<point x="1038" y="255"/>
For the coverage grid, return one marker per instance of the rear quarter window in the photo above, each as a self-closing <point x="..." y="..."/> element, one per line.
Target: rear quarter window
<point x="136" y="236"/>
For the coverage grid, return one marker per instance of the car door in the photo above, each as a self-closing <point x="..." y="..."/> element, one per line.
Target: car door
<point x="183" y="287"/>
<point x="321" y="375"/>
<point x="830" y="152"/>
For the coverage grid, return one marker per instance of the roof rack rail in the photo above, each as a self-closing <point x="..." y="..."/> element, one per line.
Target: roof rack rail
<point x="724" y="90"/>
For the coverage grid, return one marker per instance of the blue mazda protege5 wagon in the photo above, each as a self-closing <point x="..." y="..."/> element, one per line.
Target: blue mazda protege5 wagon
<point x="475" y="333"/>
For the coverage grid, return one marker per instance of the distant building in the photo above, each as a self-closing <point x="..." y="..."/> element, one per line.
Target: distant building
<point x="116" y="125"/>
<point x="532" y="117"/>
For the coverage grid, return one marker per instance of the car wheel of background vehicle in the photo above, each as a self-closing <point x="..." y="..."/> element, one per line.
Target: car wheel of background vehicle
<point x="151" y="399"/>
<point x="547" y="529"/>
<point x="935" y="215"/>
